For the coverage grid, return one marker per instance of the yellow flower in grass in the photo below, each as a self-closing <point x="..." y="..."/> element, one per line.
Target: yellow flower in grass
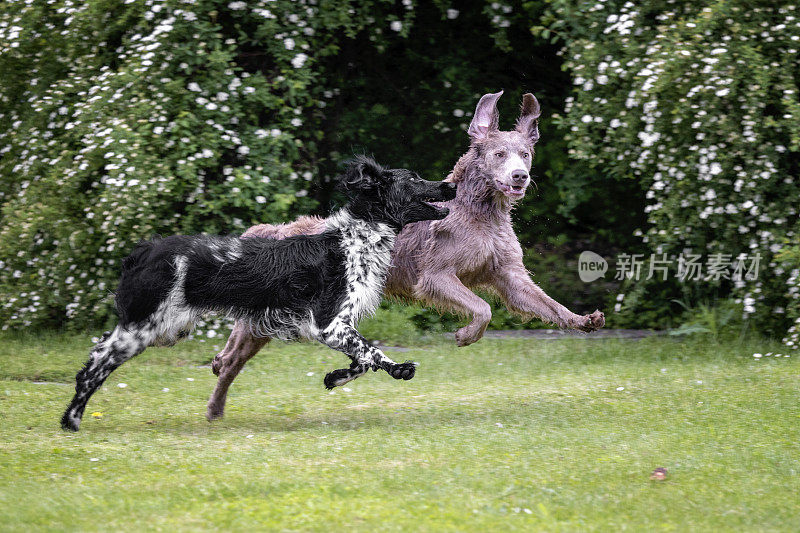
<point x="97" y="414"/>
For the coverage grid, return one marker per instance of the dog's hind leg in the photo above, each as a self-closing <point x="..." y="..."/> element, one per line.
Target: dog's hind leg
<point x="240" y="348"/>
<point x="346" y="339"/>
<point x="110" y="352"/>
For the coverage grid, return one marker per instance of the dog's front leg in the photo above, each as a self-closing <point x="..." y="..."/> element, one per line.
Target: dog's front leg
<point x="344" y="338"/>
<point x="445" y="290"/>
<point x="522" y="296"/>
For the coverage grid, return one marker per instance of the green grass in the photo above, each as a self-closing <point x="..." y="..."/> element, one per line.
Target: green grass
<point x="502" y="435"/>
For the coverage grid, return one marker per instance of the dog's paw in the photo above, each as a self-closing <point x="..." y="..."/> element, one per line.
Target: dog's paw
<point x="336" y="378"/>
<point x="70" y="422"/>
<point x="404" y="371"/>
<point x="214" y="412"/>
<point x="216" y="364"/>
<point x="593" y="322"/>
<point x="467" y="335"/>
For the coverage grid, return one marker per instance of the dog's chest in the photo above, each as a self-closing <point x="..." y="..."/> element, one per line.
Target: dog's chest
<point x="367" y="256"/>
<point x="477" y="248"/>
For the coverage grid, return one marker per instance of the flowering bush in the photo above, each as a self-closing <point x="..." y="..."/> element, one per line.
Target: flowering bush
<point x="120" y="120"/>
<point x="699" y="102"/>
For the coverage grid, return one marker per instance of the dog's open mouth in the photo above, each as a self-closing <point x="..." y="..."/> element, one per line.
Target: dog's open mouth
<point x="512" y="191"/>
<point x="439" y="208"/>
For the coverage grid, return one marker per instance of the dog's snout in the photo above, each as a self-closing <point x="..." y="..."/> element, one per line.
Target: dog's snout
<point x="519" y="176"/>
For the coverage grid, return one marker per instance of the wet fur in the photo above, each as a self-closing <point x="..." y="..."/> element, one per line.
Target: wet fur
<point x="316" y="286"/>
<point x="440" y="262"/>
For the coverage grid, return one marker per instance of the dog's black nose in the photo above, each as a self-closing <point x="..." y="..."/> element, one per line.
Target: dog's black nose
<point x="519" y="176"/>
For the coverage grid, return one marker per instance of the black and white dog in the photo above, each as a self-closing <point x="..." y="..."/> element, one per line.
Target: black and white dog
<point x="313" y="286"/>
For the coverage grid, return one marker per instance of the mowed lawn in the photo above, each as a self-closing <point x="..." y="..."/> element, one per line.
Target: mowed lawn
<point x="503" y="435"/>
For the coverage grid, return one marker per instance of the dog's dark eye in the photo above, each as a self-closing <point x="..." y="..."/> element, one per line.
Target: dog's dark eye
<point x="525" y="155"/>
<point x="500" y="154"/>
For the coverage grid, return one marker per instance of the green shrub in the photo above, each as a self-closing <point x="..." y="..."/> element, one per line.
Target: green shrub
<point x="392" y="324"/>
<point x="121" y="120"/>
<point x="699" y="102"/>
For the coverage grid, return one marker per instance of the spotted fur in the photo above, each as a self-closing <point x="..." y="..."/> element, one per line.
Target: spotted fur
<point x="313" y="286"/>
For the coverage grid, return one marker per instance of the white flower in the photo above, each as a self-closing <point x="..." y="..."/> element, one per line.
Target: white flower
<point x="237" y="6"/>
<point x="288" y="43"/>
<point x="396" y="25"/>
<point x="648" y="139"/>
<point x="458" y="113"/>
<point x="296" y="122"/>
<point x="260" y="199"/>
<point x="452" y="13"/>
<point x="122" y="385"/>
<point x="299" y="60"/>
<point x="194" y="87"/>
<point x="244" y="150"/>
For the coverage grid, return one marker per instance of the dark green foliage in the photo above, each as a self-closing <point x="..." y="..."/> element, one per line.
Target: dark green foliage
<point x="120" y="121"/>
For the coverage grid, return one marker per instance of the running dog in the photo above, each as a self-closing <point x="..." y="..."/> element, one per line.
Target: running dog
<point x="439" y="263"/>
<point x="314" y="286"/>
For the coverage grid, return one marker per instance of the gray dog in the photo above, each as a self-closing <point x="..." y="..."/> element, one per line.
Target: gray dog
<point x="439" y="262"/>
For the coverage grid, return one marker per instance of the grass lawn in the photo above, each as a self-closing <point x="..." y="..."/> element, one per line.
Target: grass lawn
<point x="503" y="435"/>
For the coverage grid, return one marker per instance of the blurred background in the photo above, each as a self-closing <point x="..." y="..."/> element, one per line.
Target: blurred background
<point x="667" y="127"/>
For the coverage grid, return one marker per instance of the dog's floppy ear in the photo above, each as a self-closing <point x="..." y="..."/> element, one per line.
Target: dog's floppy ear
<point x="486" y="118"/>
<point x="362" y="174"/>
<point x="528" y="121"/>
